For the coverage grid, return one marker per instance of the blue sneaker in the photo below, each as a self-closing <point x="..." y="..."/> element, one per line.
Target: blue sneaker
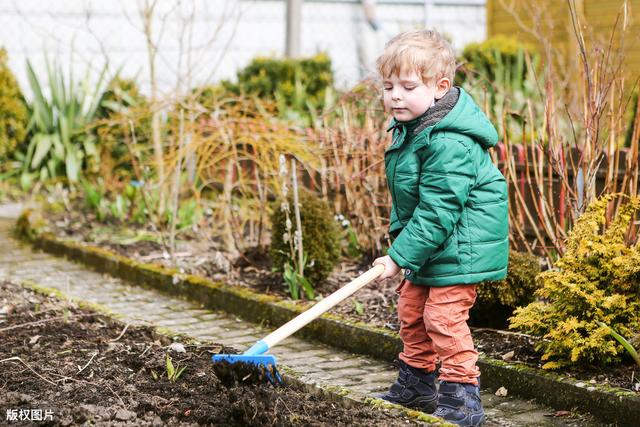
<point x="414" y="388"/>
<point x="460" y="404"/>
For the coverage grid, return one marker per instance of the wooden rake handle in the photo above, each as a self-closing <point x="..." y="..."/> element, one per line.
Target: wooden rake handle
<point x="323" y="306"/>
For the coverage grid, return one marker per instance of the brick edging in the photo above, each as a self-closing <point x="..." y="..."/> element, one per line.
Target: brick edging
<point x="610" y="404"/>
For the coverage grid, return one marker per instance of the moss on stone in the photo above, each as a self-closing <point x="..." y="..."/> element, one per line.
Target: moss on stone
<point x="418" y="415"/>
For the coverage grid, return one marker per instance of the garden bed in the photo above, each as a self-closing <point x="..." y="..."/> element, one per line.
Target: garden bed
<point x="74" y="366"/>
<point x="613" y="405"/>
<point x="374" y="305"/>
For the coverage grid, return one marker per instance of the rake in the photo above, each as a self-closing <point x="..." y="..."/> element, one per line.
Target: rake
<point x="265" y="364"/>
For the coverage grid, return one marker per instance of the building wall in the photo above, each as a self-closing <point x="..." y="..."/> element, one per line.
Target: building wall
<point x="225" y="35"/>
<point x="551" y="19"/>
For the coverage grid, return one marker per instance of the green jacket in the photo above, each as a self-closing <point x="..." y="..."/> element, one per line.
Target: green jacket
<point x="449" y="215"/>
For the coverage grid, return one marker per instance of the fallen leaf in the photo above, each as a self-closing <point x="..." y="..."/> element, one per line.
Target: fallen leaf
<point x="6" y="310"/>
<point x="561" y="413"/>
<point x="177" y="347"/>
<point x="501" y="392"/>
<point x="34" y="339"/>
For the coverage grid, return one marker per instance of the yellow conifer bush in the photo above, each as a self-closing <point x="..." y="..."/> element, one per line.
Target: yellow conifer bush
<point x="596" y="280"/>
<point x="13" y="110"/>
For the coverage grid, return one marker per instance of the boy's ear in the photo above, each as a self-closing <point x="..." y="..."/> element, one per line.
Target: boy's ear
<point x="442" y="86"/>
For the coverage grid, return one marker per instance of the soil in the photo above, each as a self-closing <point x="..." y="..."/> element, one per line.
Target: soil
<point x="75" y="366"/>
<point x="374" y="305"/>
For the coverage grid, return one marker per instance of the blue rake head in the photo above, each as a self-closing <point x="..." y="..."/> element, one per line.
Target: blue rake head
<point x="250" y="364"/>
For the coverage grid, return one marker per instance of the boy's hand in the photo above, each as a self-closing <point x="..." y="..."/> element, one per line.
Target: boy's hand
<point x="390" y="267"/>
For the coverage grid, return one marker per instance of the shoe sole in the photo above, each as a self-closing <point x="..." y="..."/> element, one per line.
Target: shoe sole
<point x="481" y="423"/>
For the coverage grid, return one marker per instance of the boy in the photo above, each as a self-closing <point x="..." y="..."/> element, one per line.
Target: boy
<point x="449" y="223"/>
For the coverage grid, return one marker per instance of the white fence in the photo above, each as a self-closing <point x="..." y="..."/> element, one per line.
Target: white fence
<point x="202" y="41"/>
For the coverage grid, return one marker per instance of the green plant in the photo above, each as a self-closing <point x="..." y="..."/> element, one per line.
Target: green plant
<point x="295" y="281"/>
<point x="13" y="111"/>
<point x="518" y="287"/>
<point x="61" y="143"/>
<point x="118" y="207"/>
<point x="497" y="300"/>
<point x="95" y="198"/>
<point x="595" y="283"/>
<point x="358" y="307"/>
<point x="350" y="244"/>
<point x="626" y="344"/>
<point x="124" y="205"/>
<point x="319" y="234"/>
<point x="173" y="373"/>
<point x="189" y="213"/>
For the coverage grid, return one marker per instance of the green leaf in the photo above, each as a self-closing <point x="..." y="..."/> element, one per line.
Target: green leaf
<point x="73" y="165"/>
<point x="58" y="148"/>
<point x="179" y="372"/>
<point x="26" y="180"/>
<point x="170" y="369"/>
<point x="622" y="340"/>
<point x="43" y="144"/>
<point x="306" y="286"/>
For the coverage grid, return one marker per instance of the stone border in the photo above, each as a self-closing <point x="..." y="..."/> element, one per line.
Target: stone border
<point x="610" y="404"/>
<point x="332" y="393"/>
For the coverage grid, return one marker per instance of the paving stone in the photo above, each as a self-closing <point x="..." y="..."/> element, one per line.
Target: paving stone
<point x="209" y="316"/>
<point x="241" y="343"/>
<point x="297" y="344"/>
<point x="309" y="360"/>
<point x="320" y="354"/>
<point x="195" y="313"/>
<point x="332" y="365"/>
<point x="177" y="323"/>
<point x="226" y="334"/>
<point x="346" y="372"/>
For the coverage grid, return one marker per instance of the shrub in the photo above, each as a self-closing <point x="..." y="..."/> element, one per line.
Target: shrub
<point x="497" y="300"/>
<point x="495" y="53"/>
<point x="60" y="120"/>
<point x="594" y="286"/>
<point x="13" y="111"/>
<point x="296" y="84"/>
<point x="122" y="103"/>
<point x="209" y="97"/>
<point x="320" y="237"/>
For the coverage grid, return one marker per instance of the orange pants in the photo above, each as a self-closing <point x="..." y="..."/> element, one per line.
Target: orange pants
<point x="433" y="324"/>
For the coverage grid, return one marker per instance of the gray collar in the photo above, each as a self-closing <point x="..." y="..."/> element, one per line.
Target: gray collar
<point x="438" y="110"/>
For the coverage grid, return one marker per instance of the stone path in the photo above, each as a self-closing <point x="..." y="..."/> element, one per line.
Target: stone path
<point x="317" y="363"/>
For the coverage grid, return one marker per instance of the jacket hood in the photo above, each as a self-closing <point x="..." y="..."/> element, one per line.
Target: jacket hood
<point x="467" y="118"/>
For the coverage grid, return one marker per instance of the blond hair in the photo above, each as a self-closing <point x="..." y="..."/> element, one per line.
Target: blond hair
<point x="423" y="51"/>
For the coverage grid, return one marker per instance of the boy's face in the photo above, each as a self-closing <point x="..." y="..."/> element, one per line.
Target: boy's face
<point x="406" y="96"/>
